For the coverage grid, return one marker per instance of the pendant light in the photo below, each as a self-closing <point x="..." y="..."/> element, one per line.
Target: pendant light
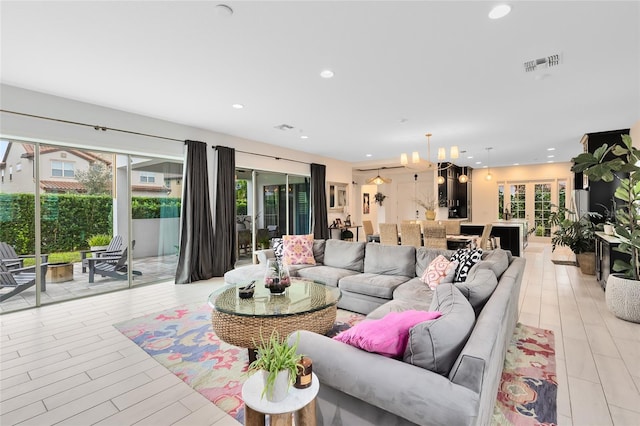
<point x="463" y="178"/>
<point x="489" y="176"/>
<point x="378" y="180"/>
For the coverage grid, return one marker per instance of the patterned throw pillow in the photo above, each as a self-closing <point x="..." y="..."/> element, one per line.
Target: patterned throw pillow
<point x="440" y="270"/>
<point x="298" y="250"/>
<point x="466" y="259"/>
<point x="278" y="247"/>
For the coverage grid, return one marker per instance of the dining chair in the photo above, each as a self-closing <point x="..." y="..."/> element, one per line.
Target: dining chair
<point x="411" y="235"/>
<point x="368" y="229"/>
<point x="484" y="239"/>
<point x="388" y="234"/>
<point x="435" y="237"/>
<point x="452" y="226"/>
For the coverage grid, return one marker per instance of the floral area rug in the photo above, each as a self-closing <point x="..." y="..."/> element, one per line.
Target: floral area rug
<point x="183" y="341"/>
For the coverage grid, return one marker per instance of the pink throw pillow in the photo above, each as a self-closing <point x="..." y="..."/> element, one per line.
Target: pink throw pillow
<point x="298" y="250"/>
<point x="388" y="335"/>
<point x="439" y="271"/>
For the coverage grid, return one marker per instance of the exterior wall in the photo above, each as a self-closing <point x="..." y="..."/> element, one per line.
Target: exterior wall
<point x="17" y="180"/>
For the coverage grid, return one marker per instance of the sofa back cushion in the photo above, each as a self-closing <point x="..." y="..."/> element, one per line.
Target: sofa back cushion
<point x="478" y="287"/>
<point x="390" y="260"/>
<point x="496" y="260"/>
<point x="344" y="255"/>
<point x="424" y="256"/>
<point x="435" y="345"/>
<point x="318" y="250"/>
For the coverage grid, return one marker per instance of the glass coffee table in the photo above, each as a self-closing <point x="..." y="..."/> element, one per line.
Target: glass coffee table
<point x="305" y="305"/>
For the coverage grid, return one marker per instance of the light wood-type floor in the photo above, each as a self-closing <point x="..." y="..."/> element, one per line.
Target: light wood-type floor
<point x="66" y="364"/>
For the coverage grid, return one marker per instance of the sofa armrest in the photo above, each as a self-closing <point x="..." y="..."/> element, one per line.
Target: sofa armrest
<point x="417" y="394"/>
<point x="264" y="255"/>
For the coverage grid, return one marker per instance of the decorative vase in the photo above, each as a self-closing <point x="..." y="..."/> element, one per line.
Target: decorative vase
<point x="587" y="262"/>
<point x="277" y="277"/>
<point x="623" y="298"/>
<point x="280" y="387"/>
<point x="430" y="214"/>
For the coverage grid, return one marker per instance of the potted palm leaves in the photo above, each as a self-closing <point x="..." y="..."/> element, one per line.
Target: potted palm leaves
<point x="577" y="233"/>
<point x="623" y="289"/>
<point x="279" y="364"/>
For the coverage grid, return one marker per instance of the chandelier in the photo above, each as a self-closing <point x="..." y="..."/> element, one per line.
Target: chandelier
<point x="419" y="163"/>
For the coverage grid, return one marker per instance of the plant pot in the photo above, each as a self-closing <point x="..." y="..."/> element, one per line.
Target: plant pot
<point x="430" y="214"/>
<point x="280" y="388"/>
<point x="587" y="262"/>
<point x="623" y="298"/>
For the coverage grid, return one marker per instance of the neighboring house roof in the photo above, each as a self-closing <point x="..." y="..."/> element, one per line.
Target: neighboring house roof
<point x="150" y="188"/>
<point x="61" y="186"/>
<point x="46" y="149"/>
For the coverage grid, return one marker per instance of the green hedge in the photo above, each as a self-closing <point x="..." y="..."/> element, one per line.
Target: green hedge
<point x="68" y="220"/>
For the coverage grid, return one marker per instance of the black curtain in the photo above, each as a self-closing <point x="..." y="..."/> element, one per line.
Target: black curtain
<point x="196" y="240"/>
<point x="224" y="220"/>
<point x="319" y="216"/>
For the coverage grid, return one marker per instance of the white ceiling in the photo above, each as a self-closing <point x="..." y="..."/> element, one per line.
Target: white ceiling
<point x="401" y="69"/>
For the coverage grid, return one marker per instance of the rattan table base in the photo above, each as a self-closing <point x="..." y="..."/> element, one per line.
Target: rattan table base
<point x="245" y="331"/>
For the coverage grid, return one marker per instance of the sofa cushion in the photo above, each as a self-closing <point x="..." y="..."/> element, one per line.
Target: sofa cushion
<point x="424" y="256"/>
<point x="399" y="305"/>
<point x="436" y="344"/>
<point x="298" y="250"/>
<point x="381" y="286"/>
<point x="386" y="336"/>
<point x="497" y="260"/>
<point x="466" y="259"/>
<point x="478" y="287"/>
<point x="318" y="250"/>
<point x="390" y="260"/>
<point x="414" y="290"/>
<point x="344" y="255"/>
<point x="440" y="270"/>
<point x="325" y="274"/>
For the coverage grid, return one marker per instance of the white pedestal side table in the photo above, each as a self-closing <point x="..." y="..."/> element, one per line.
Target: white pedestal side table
<point x="300" y="402"/>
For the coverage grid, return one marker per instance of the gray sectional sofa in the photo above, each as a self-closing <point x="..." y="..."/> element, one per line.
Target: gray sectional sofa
<point x="452" y="366"/>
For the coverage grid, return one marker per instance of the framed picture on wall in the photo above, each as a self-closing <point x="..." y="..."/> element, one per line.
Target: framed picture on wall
<point x="365" y="203"/>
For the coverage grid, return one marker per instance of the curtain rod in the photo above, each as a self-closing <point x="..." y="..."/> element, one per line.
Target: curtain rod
<point x="268" y="156"/>
<point x="104" y="129"/>
<point x="94" y="126"/>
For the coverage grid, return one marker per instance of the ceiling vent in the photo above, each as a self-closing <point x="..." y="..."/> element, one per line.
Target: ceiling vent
<point x="284" y="127"/>
<point x="541" y="63"/>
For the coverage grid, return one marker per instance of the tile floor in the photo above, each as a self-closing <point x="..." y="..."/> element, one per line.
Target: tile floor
<point x="66" y="364"/>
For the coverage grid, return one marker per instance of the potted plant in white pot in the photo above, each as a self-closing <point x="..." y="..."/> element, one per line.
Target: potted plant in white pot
<point x="579" y="234"/>
<point x="623" y="289"/>
<point x="279" y="364"/>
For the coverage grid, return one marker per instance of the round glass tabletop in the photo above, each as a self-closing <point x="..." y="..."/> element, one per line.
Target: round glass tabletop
<point x="303" y="296"/>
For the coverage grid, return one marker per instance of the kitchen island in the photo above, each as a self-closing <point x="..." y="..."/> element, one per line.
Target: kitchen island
<point x="512" y="233"/>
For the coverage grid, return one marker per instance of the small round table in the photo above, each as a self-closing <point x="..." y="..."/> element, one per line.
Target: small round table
<point x="305" y="305"/>
<point x="300" y="402"/>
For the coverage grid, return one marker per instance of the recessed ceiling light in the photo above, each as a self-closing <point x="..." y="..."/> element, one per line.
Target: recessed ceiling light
<point x="326" y="74"/>
<point x="237" y="106"/>
<point x="369" y="155"/>
<point x="470" y="157"/>
<point x="478" y="162"/>
<point x="500" y="11"/>
<point x="516" y="164"/>
<point x="551" y="149"/>
<point x="304" y="137"/>
<point x="550" y="161"/>
<point x="550" y="156"/>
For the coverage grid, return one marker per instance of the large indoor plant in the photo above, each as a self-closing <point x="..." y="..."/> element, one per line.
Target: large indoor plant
<point x="577" y="233"/>
<point x="279" y="363"/>
<point x="622" y="290"/>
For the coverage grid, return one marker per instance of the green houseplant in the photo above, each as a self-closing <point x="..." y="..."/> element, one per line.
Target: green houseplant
<point x="279" y="363"/>
<point x="579" y="234"/>
<point x="622" y="293"/>
<point x="429" y="205"/>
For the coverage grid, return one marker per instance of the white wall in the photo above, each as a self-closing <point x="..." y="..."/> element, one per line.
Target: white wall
<point x="485" y="193"/>
<point x="37" y="130"/>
